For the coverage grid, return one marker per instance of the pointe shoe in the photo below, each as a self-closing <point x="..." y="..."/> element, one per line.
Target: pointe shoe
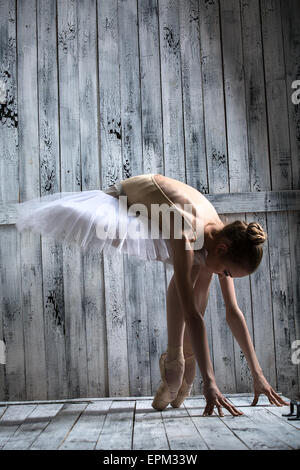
<point x="164" y="395"/>
<point x="186" y="387"/>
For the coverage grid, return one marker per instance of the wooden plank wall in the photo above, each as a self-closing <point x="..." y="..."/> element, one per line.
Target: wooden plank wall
<point x="97" y="91"/>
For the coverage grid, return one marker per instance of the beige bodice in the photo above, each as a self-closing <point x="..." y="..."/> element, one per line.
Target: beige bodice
<point x="158" y="189"/>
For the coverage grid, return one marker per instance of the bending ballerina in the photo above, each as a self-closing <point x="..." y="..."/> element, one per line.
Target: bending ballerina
<point x="202" y="247"/>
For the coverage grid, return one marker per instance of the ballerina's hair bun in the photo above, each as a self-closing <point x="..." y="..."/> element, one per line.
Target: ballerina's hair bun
<point x="255" y="233"/>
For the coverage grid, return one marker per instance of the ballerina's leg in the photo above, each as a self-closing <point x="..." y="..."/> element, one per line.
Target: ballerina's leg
<point x="178" y="334"/>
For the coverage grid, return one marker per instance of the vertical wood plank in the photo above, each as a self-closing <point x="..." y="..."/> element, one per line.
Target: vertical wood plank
<point x="75" y="329"/>
<point x="153" y="162"/>
<point x="32" y="300"/>
<point x="278" y="127"/>
<point x="157" y="318"/>
<point x="13" y="386"/>
<point x="255" y="96"/>
<point x="290" y="17"/>
<point x="111" y="171"/>
<point x="261" y="297"/>
<point x="193" y="112"/>
<point x="294" y="232"/>
<point x="149" y="58"/>
<point x="234" y="89"/>
<point x="9" y="190"/>
<point x="137" y="330"/>
<point x="282" y="299"/>
<point x="53" y="293"/>
<point x="132" y="150"/>
<point x="169" y="30"/>
<point x="94" y="298"/>
<point x="259" y="180"/>
<point x="130" y="86"/>
<point x="9" y="165"/>
<point x="213" y="95"/>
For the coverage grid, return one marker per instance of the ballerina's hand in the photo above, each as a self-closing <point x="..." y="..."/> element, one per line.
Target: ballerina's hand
<point x="261" y="385"/>
<point x="215" y="398"/>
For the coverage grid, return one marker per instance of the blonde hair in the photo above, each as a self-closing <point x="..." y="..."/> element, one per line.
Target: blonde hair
<point x="245" y="243"/>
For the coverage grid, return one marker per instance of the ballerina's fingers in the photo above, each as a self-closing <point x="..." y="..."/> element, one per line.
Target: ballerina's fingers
<point x="275" y="398"/>
<point x="278" y="398"/>
<point x="272" y="399"/>
<point x="255" y="399"/>
<point x="220" y="411"/>
<point x="231" y="408"/>
<point x="208" y="411"/>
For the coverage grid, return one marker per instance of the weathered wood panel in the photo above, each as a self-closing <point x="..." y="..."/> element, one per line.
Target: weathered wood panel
<point x="234" y="90"/>
<point x="192" y="96"/>
<point x="53" y="289"/>
<point x="255" y="97"/>
<point x="213" y="97"/>
<point x="30" y="247"/>
<point x="111" y="170"/>
<point x="93" y="295"/>
<point x="200" y="91"/>
<point x="132" y="149"/>
<point x="153" y="162"/>
<point x="9" y="191"/>
<point x="13" y="383"/>
<point x="262" y="313"/>
<point x="69" y="112"/>
<point x="171" y="93"/>
<point x="278" y="125"/>
<point x="290" y="18"/>
<point x="132" y="423"/>
<point x="9" y="161"/>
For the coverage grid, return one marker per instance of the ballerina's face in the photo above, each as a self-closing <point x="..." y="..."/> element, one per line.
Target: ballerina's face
<point x="217" y="263"/>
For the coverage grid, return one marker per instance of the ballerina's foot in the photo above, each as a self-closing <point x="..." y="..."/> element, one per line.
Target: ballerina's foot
<point x="187" y="382"/>
<point x="172" y="375"/>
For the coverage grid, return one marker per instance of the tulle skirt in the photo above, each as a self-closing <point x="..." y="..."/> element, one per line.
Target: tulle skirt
<point x="96" y="218"/>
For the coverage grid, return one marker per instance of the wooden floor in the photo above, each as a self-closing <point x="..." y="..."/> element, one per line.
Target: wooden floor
<point x="131" y="423"/>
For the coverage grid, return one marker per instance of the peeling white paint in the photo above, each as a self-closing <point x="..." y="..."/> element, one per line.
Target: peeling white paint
<point x="2" y="352"/>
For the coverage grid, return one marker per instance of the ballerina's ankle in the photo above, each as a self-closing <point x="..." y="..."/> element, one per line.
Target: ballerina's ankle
<point x="174" y="352"/>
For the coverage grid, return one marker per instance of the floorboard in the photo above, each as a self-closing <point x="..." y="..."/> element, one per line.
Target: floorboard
<point x="131" y="423"/>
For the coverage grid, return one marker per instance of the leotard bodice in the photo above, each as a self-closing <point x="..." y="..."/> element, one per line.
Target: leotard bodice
<point x="150" y="189"/>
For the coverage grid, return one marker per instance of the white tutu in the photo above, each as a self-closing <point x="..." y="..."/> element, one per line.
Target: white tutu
<point x="92" y="218"/>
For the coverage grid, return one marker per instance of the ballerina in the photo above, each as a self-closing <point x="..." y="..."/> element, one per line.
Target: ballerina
<point x="205" y="246"/>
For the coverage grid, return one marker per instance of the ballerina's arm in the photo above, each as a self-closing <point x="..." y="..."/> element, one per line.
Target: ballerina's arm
<point x="237" y="323"/>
